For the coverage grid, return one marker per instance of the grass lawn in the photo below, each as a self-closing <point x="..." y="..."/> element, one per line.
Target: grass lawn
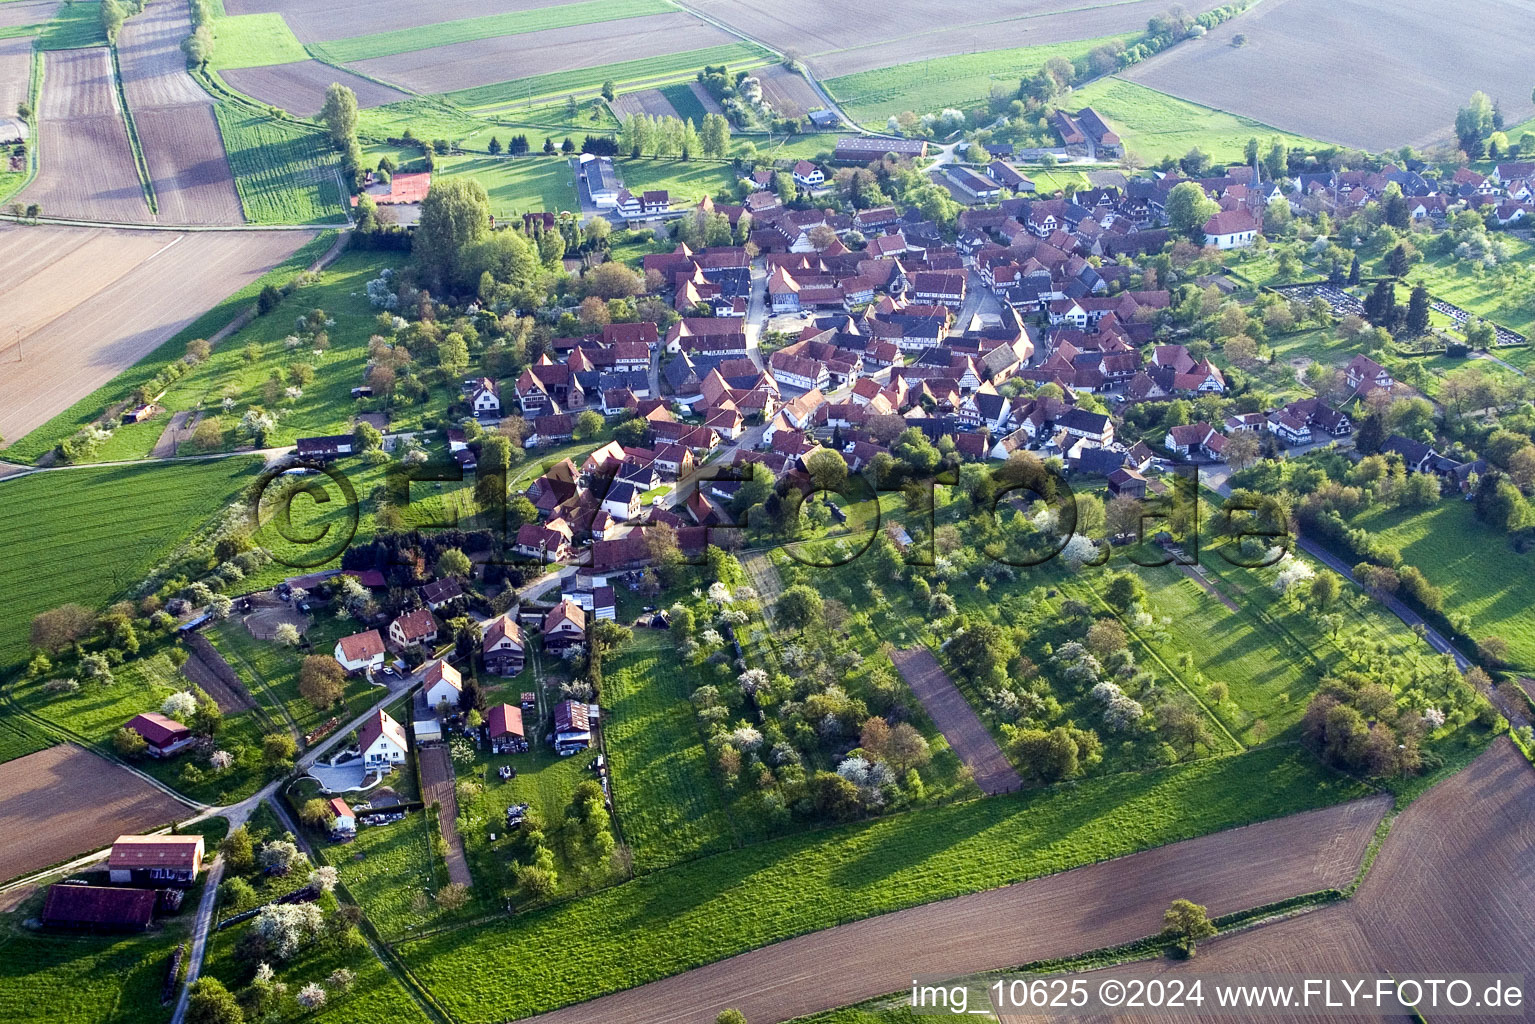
<point x="712" y="908"/>
<point x="446" y="33"/>
<point x="667" y="795"/>
<point x="74" y="24"/>
<point x="19" y="737"/>
<point x="270" y="671"/>
<point x="385" y="867"/>
<point x="1503" y="295"/>
<point x="684" y="101"/>
<point x="284" y="174"/>
<point x="961" y="81"/>
<point x="656" y="70"/>
<point x="254" y="41"/>
<point x="427" y="118"/>
<point x="518" y="185"/>
<point x="1155" y="125"/>
<point x="687" y="181"/>
<point x="88" y="409"/>
<point x="90" y="535"/>
<point x="1480" y="572"/>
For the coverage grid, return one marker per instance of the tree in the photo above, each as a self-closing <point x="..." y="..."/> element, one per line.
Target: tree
<point x="799" y="607"/>
<point x="239" y="850"/>
<point x="321" y="681"/>
<point x="340" y="114"/>
<point x="316" y="813"/>
<point x="1417" y="311"/>
<point x="906" y="748"/>
<point x="128" y="743"/>
<point x="827" y="468"/>
<point x="209" y="1002"/>
<point x="54" y="630"/>
<point x="112" y="17"/>
<point x="1184" y="924"/>
<point x="587" y="426"/>
<point x="453" y="562"/>
<point x="1057" y="754"/>
<point x="1124" y="589"/>
<point x="277" y="749"/>
<point x="1188" y="208"/>
<point x="1324" y="589"/>
<point x="1473" y="124"/>
<point x="1242" y="449"/>
<point x="454" y="215"/>
<point x="730" y="1017"/>
<point x="285" y="928"/>
<point x="609" y="90"/>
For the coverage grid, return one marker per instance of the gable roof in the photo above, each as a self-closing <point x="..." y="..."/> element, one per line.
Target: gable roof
<point x="504" y="720"/>
<point x="416" y="624"/>
<point x="381" y="725"/>
<point x="439" y="671"/>
<point x="158" y="729"/>
<point x="99" y="905"/>
<point x="130" y="852"/>
<point x="363" y="646"/>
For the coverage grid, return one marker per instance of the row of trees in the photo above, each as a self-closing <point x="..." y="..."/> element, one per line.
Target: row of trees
<point x="649" y="135"/>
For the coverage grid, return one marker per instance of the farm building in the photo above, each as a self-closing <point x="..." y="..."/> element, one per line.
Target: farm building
<point x="382" y="741"/>
<point x="1085" y="133"/>
<point x="360" y="652"/>
<point x="442" y="683"/>
<point x="602" y="181"/>
<point x="572" y="727"/>
<point x="323" y="449"/>
<point x="565" y="629"/>
<point x="99" y="908"/>
<point x="166" y="736"/>
<point x="504" y="725"/>
<point x="503" y="647"/>
<point x="862" y="150"/>
<point x="174" y="859"/>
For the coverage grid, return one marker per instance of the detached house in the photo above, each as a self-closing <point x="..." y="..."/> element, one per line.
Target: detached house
<point x="503" y="723"/>
<point x="442" y="683"/>
<point x="1365" y="375"/>
<point x="565" y="629"/>
<point x="485" y="398"/>
<point x="382" y="742"/>
<point x="360" y="652"/>
<point x="808" y="175"/>
<point x="415" y="627"/>
<point x="503" y="647"/>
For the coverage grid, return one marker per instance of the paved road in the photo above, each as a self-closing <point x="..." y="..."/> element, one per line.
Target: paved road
<point x="1090" y="907"/>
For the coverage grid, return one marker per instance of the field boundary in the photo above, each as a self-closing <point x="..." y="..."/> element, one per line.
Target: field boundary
<point x="146" y="180"/>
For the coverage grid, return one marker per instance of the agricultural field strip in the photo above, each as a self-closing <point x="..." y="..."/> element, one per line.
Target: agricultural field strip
<point x="1419" y="908"/>
<point x="478" y="63"/>
<point x="1285" y="73"/>
<point x="1085" y="908"/>
<point x="313" y="23"/>
<point x="284" y="174"/>
<point x="299" y="87"/>
<point x="15" y="73"/>
<point x="26" y="12"/>
<point x="956" y="719"/>
<point x="383" y="44"/>
<point x="79" y="345"/>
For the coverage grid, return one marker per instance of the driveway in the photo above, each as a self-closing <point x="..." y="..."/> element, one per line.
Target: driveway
<point x="342" y="778"/>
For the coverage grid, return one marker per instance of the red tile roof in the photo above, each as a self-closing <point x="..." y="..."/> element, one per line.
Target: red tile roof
<point x="504" y="720"/>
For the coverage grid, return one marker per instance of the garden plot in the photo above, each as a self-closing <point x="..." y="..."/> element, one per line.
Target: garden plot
<point x="644" y="101"/>
<point x="1286" y="73"/>
<point x="299" y="88"/>
<point x="81" y="329"/>
<point x="788" y="92"/>
<point x="861" y="35"/>
<point x="487" y="61"/>
<point x="65" y="801"/>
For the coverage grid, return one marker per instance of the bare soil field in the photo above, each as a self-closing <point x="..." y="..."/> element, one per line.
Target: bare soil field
<point x="957" y="720"/>
<point x="77" y="83"/>
<point x="1450" y="892"/>
<point x="299" y="88"/>
<point x="1086" y="908"/>
<point x="313" y="22"/>
<point x="860" y="35"/>
<point x="1286" y="74"/>
<point x="487" y="61"/>
<point x="28" y="12"/>
<point x="437" y="787"/>
<point x="82" y="327"/>
<point x="15" y="71"/>
<point x="153" y="66"/>
<point x="788" y="92"/>
<point x="86" y="171"/>
<point x="706" y="99"/>
<point x="188" y="166"/>
<point x="65" y="801"/>
<point x="645" y="101"/>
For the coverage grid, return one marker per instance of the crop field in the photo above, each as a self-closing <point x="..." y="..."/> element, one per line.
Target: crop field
<point x="518" y="185"/>
<point x="1154" y="125"/>
<point x="15" y="73"/>
<point x="254" y="41"/>
<point x="19" y="737"/>
<point x="1091" y="907"/>
<point x="84" y="979"/>
<point x="89" y="536"/>
<point x="960" y="81"/>
<point x="154" y="69"/>
<point x="788" y="92"/>
<point x="1419" y="907"/>
<point x="334" y="21"/>
<point x="65" y="801"/>
<point x="866" y="34"/>
<point x="666" y="792"/>
<point x="683" y="98"/>
<point x="73" y="25"/>
<point x="299" y="87"/>
<point x="284" y="174"/>
<point x="644" y="101"/>
<point x="29" y="13"/>
<point x="550" y="53"/>
<point x="709" y="909"/>
<point x="1283" y="75"/>
<point x="448" y="33"/>
<point x="80" y="301"/>
<point x="1481" y="574"/>
<point x="656" y="70"/>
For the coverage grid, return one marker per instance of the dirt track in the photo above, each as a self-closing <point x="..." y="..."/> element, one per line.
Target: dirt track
<point x="1450" y="893"/>
<point x="90" y="302"/>
<point x="1086" y="908"/>
<point x="437" y="787"/>
<point x="65" y="801"/>
<point x="957" y="720"/>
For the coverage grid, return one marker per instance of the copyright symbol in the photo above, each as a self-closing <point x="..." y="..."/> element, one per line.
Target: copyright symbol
<point x="297" y="519"/>
<point x="1111" y="992"/>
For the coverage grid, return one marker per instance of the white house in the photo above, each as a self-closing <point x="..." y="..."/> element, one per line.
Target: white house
<point x="622" y="501"/>
<point x="382" y="741"/>
<point x="360" y="652"/>
<point x="442" y="683"/>
<point x="414" y="627"/>
<point x="485" y="397"/>
<point x="808" y="175"/>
